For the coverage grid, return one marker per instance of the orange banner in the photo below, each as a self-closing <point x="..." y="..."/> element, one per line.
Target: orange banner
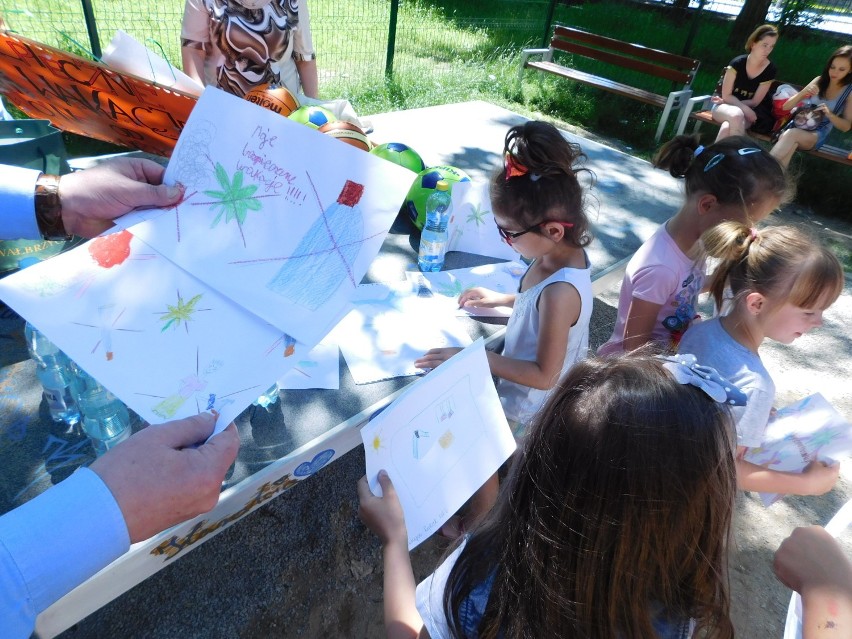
<point x="89" y="98"/>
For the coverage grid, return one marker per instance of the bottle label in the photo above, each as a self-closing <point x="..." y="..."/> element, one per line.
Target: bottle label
<point x="57" y="399"/>
<point x="428" y="247"/>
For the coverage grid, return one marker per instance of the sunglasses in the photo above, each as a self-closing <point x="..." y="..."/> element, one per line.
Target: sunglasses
<point x="510" y="236"/>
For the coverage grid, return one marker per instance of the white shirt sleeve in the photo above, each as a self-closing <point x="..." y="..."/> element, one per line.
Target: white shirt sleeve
<point x="17" y="208"/>
<point x="53" y="543"/>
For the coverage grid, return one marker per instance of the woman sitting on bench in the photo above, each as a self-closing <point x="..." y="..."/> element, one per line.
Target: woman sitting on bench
<point x="745" y="83"/>
<point x="830" y="92"/>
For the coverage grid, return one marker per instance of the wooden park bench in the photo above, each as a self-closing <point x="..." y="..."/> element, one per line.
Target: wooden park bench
<point x="703" y="115"/>
<point x="651" y="62"/>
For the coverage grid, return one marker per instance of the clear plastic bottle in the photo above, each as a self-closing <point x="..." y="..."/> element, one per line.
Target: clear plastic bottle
<point x="54" y="373"/>
<point x="268" y="398"/>
<point x="433" y="239"/>
<point x="106" y="419"/>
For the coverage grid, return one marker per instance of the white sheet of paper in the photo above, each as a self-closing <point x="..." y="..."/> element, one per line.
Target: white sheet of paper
<point x="126" y="54"/>
<point x="270" y="217"/>
<point x="319" y="368"/>
<point x="439" y="441"/>
<point x="471" y="226"/>
<point x="390" y="327"/>
<point x="162" y="341"/>
<point x="502" y="278"/>
<point x="810" y="429"/>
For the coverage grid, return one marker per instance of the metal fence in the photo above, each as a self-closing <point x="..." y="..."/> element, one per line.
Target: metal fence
<point x="357" y="41"/>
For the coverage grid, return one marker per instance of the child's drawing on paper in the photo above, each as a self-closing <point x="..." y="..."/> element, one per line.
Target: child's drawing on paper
<point x="382" y="336"/>
<point x="471" y="226"/>
<point x="110" y="250"/>
<point x="439" y="440"/>
<point x="188" y="387"/>
<point x="136" y="312"/>
<point x="181" y="312"/>
<point x="446" y="418"/>
<point x="319" y="368"/>
<point x="809" y="430"/>
<point x="108" y="320"/>
<point x="287" y="342"/>
<point x="324" y="258"/>
<point x="504" y="277"/>
<point x="293" y="260"/>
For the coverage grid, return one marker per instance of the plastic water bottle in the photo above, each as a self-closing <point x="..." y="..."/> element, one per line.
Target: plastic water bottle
<point x="106" y="419"/>
<point x="268" y="398"/>
<point x="54" y="373"/>
<point x="433" y="239"/>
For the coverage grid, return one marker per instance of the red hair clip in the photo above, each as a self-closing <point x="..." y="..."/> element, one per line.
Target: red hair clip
<point x="513" y="167"/>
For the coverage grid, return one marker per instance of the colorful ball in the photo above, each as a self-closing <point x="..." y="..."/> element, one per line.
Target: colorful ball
<point x="275" y="98"/>
<point x="348" y="133"/>
<point x="401" y="154"/>
<point x="424" y="185"/>
<point x="312" y="116"/>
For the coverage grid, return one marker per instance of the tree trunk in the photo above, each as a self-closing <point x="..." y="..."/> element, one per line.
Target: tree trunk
<point x="752" y="15"/>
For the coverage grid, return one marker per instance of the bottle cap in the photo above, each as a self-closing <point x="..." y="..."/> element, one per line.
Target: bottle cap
<point x="442" y="185"/>
<point x="351" y="193"/>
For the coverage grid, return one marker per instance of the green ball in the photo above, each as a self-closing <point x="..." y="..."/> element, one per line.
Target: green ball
<point x="424" y="185"/>
<point x="312" y="116"/>
<point x="401" y="154"/>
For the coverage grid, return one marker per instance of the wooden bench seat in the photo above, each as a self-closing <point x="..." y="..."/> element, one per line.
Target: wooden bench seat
<point x="654" y="63"/>
<point x="826" y="152"/>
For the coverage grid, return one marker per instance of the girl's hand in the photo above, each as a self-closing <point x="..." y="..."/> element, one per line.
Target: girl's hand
<point x="434" y="357"/>
<point x="821" y="477"/>
<point x="382" y="515"/>
<point x="811" y="90"/>
<point x="484" y="298"/>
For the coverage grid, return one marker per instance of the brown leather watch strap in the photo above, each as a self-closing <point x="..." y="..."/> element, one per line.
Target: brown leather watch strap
<point x="48" y="208"/>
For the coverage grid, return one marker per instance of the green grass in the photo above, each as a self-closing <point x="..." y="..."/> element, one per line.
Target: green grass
<point x="456" y="51"/>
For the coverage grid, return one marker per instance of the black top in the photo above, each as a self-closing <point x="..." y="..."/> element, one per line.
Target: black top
<point x="744" y="86"/>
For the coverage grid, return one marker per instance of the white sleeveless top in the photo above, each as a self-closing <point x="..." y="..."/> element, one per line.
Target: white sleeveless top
<point x="520" y="403"/>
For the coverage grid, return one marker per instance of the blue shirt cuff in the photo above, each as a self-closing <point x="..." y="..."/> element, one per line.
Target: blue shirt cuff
<point x="17" y="194"/>
<point x="61" y="538"/>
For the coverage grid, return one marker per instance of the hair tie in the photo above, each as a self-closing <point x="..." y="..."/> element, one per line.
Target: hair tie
<point x="686" y="370"/>
<point x="698" y="151"/>
<point x="534" y="177"/>
<point x="512" y="166"/>
<point x="752" y="233"/>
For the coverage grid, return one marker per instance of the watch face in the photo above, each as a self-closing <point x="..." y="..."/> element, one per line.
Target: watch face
<point x="253" y="4"/>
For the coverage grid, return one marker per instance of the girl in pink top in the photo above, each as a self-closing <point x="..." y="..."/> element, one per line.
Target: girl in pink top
<point x="729" y="180"/>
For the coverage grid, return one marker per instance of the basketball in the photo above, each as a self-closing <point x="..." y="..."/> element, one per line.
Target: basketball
<point x="275" y="98"/>
<point x="401" y="154"/>
<point x="424" y="185"/>
<point x="312" y="116"/>
<point x="348" y="133"/>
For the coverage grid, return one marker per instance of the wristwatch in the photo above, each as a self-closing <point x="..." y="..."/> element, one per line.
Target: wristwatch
<point x="48" y="208"/>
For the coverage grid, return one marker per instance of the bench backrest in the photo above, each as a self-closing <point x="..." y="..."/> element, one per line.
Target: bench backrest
<point x="661" y="64"/>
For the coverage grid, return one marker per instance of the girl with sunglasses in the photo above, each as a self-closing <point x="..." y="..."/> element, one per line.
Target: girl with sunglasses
<point x="538" y="205"/>
<point x="729" y="180"/>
